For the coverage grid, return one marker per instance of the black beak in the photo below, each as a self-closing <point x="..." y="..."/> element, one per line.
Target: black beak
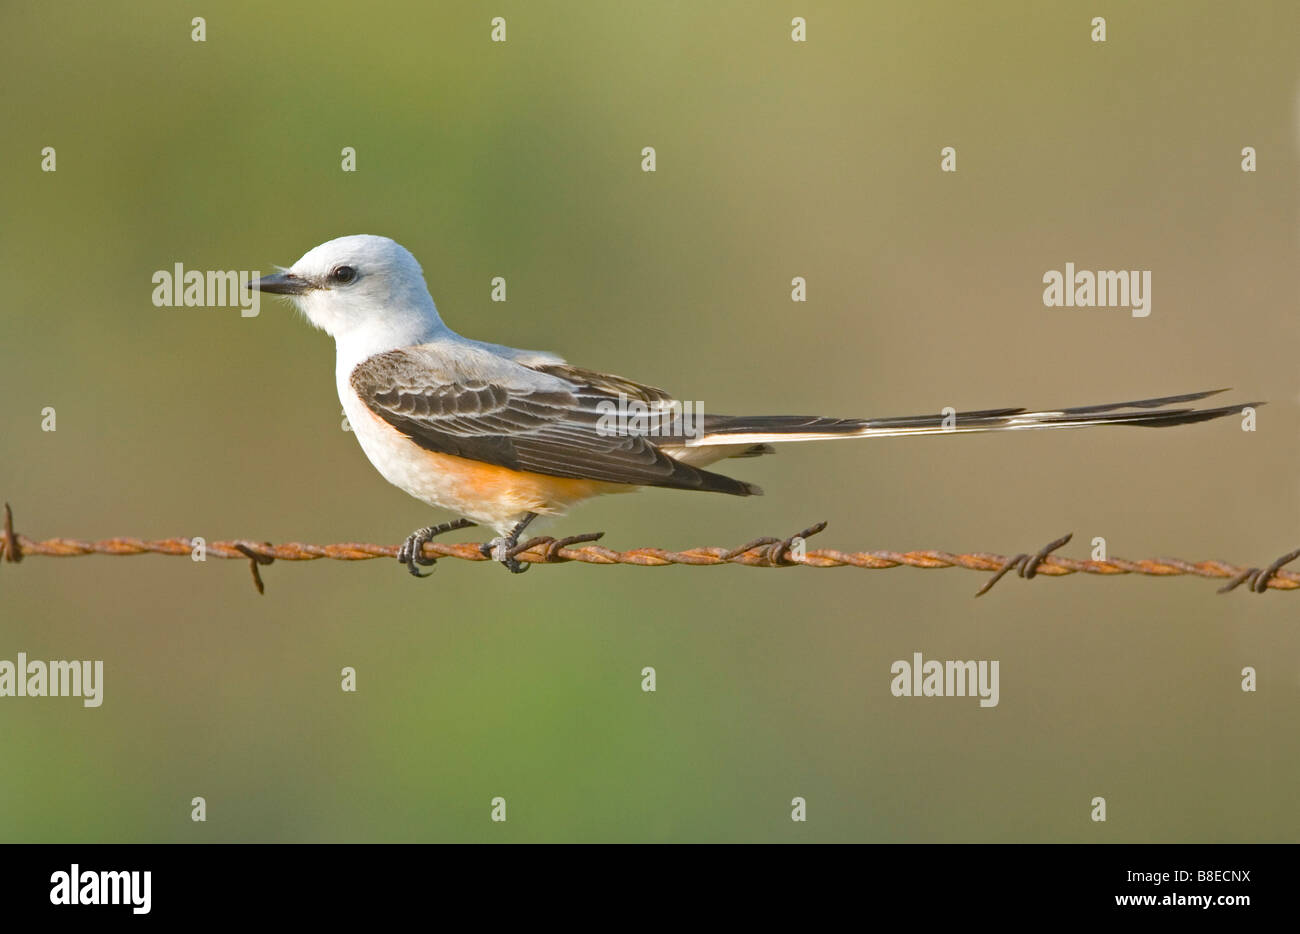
<point x="282" y="283"/>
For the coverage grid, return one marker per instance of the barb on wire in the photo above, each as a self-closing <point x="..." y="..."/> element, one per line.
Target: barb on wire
<point x="1025" y="564"/>
<point x="761" y="552"/>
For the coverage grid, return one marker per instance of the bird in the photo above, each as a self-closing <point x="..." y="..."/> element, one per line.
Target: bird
<point x="501" y="435"/>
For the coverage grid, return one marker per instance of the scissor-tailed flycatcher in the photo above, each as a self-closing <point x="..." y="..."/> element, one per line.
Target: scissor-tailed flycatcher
<point x="501" y="435"/>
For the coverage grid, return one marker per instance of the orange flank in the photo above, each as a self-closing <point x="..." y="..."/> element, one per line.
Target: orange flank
<point x="526" y="491"/>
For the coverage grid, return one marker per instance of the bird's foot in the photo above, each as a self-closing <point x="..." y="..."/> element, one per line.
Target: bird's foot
<point x="412" y="551"/>
<point x="500" y="549"/>
<point x="503" y="548"/>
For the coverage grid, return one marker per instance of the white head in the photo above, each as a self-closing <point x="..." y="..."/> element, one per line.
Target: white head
<point x="366" y="292"/>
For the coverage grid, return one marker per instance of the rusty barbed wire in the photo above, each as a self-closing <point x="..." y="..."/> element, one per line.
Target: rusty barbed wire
<point x="762" y="552"/>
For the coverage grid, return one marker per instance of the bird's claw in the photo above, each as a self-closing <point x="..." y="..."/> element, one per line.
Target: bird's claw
<point x="411" y="553"/>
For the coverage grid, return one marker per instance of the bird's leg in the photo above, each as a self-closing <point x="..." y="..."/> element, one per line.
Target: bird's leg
<point x="499" y="548"/>
<point x="412" y="551"/>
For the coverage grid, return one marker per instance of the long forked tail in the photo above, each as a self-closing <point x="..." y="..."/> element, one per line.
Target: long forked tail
<point x="1146" y="413"/>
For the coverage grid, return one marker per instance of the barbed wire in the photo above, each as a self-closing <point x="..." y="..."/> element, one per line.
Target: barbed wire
<point x="761" y="552"/>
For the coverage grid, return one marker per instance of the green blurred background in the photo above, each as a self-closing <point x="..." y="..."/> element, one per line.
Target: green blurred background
<point x="775" y="160"/>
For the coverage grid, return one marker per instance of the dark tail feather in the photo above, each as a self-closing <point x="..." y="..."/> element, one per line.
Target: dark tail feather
<point x="1161" y="412"/>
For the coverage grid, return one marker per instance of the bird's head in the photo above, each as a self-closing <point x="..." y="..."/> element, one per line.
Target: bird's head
<point x="362" y="289"/>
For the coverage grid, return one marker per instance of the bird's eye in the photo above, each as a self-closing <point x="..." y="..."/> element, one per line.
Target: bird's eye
<point x="343" y="275"/>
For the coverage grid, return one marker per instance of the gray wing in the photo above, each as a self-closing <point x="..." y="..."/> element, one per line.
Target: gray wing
<point x="471" y="403"/>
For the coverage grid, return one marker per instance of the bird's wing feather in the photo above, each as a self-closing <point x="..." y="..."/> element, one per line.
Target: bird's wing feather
<point x="472" y="403"/>
<point x="601" y="386"/>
